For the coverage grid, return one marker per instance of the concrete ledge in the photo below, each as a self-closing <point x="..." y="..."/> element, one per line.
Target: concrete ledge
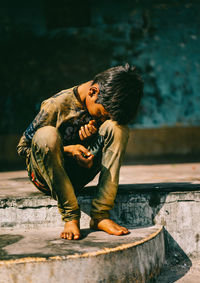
<point x="167" y="195"/>
<point x="177" y="211"/>
<point x="95" y="258"/>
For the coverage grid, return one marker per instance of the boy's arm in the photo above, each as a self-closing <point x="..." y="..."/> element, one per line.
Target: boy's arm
<point x="46" y="117"/>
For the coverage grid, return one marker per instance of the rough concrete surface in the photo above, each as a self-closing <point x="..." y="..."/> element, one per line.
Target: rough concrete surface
<point x="165" y="194"/>
<point x="17" y="184"/>
<point x="40" y="256"/>
<point x="183" y="272"/>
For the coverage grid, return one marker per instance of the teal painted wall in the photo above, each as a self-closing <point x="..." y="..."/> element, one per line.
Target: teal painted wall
<point x="47" y="46"/>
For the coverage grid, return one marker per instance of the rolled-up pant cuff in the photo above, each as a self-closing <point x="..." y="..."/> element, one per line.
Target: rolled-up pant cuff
<point x="75" y="215"/>
<point x="100" y="215"/>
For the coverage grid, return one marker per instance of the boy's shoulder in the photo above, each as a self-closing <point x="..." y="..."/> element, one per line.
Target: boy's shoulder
<point x="63" y="93"/>
<point x="62" y="98"/>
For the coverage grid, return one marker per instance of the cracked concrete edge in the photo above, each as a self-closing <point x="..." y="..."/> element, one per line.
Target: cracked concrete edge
<point x="40" y="201"/>
<point x="84" y="255"/>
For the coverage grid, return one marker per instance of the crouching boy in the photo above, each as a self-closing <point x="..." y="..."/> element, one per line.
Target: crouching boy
<point x="77" y="133"/>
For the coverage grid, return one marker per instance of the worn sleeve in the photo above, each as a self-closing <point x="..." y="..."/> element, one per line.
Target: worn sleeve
<point x="116" y="138"/>
<point x="46" y="117"/>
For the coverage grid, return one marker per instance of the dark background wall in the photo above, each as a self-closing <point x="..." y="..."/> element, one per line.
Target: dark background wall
<point x="51" y="45"/>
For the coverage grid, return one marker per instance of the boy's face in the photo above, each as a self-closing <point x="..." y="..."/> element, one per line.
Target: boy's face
<point x="96" y="110"/>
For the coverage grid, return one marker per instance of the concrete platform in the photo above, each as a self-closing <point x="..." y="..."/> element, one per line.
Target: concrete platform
<point x="164" y="195"/>
<point x="167" y="194"/>
<point x="183" y="176"/>
<point x="40" y="256"/>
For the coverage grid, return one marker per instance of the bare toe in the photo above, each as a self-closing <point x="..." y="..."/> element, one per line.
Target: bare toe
<point x="63" y="235"/>
<point x="71" y="230"/>
<point x="124" y="232"/>
<point x="76" y="236"/>
<point x="69" y="236"/>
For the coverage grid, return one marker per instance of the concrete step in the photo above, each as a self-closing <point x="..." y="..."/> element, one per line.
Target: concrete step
<point x="165" y="194"/>
<point x="39" y="255"/>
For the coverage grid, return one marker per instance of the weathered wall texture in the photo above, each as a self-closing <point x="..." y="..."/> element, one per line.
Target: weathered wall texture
<point x="162" y="38"/>
<point x="50" y="45"/>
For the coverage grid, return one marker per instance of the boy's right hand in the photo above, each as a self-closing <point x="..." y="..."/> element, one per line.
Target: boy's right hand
<point x="83" y="157"/>
<point x="88" y="130"/>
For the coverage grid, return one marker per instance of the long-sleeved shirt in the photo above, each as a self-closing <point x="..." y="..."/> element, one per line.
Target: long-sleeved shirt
<point x="64" y="111"/>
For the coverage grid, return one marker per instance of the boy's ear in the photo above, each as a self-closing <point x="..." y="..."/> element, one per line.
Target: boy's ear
<point x="94" y="91"/>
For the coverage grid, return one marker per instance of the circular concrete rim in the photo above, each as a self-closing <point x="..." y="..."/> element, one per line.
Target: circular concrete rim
<point x="84" y="255"/>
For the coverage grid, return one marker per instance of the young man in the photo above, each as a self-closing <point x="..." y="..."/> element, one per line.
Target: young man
<point x="78" y="133"/>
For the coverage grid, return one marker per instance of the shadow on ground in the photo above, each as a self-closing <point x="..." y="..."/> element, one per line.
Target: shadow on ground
<point x="177" y="263"/>
<point x="6" y="240"/>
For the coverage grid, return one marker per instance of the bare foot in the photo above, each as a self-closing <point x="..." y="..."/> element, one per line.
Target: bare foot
<point x="108" y="226"/>
<point x="71" y="230"/>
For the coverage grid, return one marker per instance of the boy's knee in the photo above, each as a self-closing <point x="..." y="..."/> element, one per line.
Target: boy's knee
<point x="47" y="137"/>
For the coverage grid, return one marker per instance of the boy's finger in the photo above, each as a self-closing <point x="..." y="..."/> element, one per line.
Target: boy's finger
<point x="87" y="131"/>
<point x="84" y="150"/>
<point x="83" y="132"/>
<point x="90" y="161"/>
<point x="80" y="158"/>
<point x="83" y="158"/>
<point x="80" y="135"/>
<point x="92" y="122"/>
<point x="90" y="157"/>
<point x="85" y="162"/>
<point x="93" y="130"/>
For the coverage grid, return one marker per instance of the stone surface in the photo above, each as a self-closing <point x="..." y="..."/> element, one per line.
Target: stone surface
<point x="40" y="256"/>
<point x="166" y="195"/>
<point x="46" y="242"/>
<point x="183" y="272"/>
<point x="16" y="183"/>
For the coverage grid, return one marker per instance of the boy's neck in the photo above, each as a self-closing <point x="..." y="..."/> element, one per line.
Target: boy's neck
<point x="83" y="89"/>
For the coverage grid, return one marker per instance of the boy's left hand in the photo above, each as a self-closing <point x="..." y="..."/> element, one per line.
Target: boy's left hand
<point x="88" y="130"/>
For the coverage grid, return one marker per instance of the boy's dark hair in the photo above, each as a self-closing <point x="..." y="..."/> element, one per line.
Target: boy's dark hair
<point x="121" y="89"/>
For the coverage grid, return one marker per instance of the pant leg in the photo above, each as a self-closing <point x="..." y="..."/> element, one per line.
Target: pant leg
<point x="81" y="176"/>
<point x="115" y="138"/>
<point x="47" y="161"/>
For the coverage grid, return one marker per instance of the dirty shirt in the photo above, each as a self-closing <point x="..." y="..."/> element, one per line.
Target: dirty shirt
<point x="63" y="111"/>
